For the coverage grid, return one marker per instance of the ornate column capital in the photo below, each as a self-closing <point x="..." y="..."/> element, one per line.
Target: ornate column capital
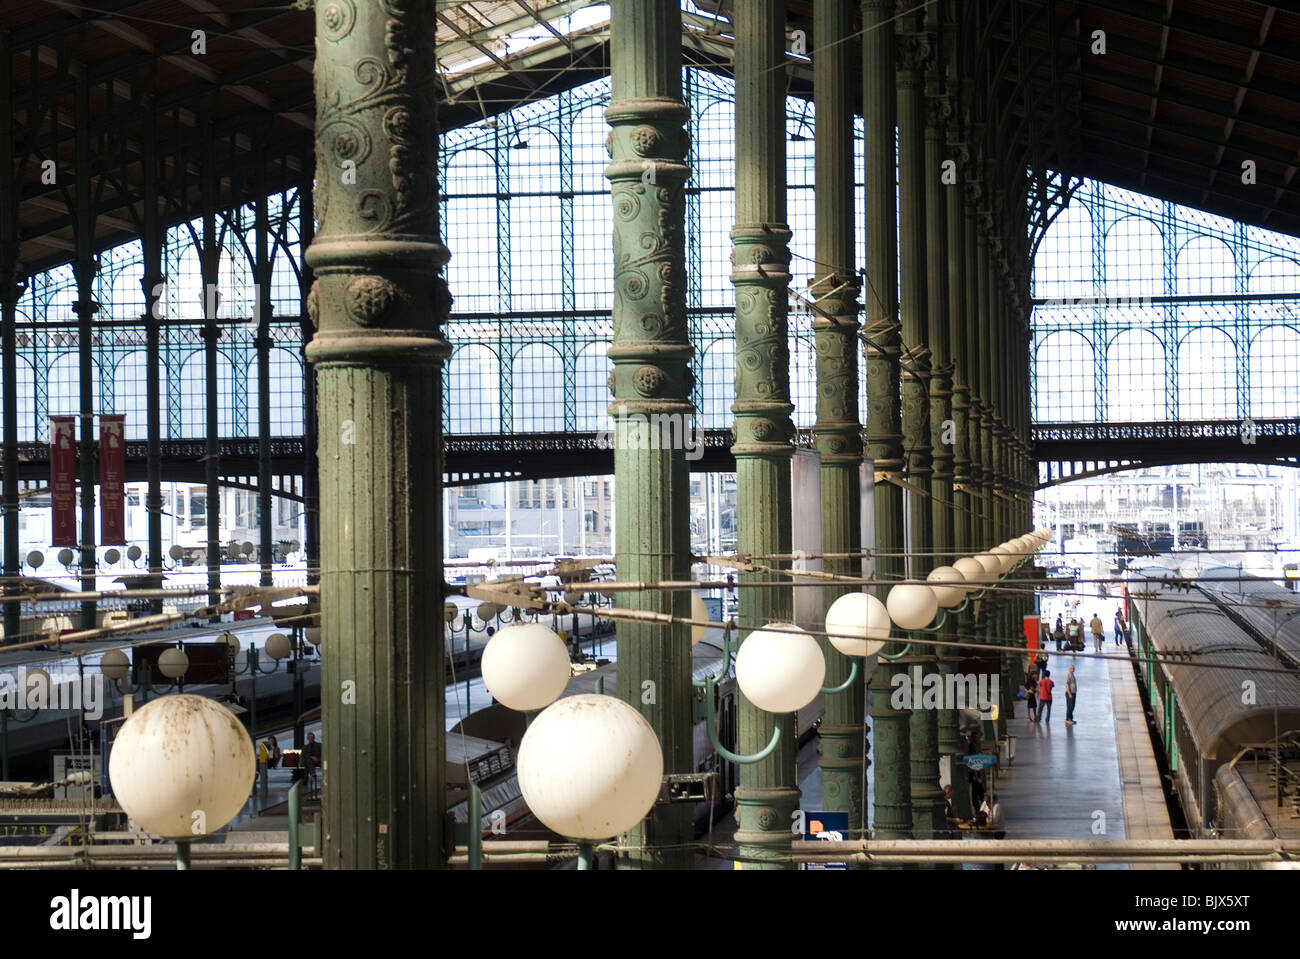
<point x="379" y="296"/>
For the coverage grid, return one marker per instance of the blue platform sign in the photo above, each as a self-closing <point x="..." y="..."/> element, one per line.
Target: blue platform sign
<point x="829" y="827"/>
<point x="981" y="761"/>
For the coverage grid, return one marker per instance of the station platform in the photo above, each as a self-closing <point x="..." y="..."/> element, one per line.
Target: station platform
<point x="1095" y="780"/>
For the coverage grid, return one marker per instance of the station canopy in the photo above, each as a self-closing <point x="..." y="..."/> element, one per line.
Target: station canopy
<point x="1192" y="101"/>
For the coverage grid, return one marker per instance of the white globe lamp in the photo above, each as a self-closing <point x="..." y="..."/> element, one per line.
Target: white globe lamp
<point x="971" y="570"/>
<point x="780" y="668"/>
<point x="173" y="663"/>
<point x="912" y="605"/>
<point x="114" y="664"/>
<point x="948" y="596"/>
<point x="278" y="646"/>
<point x="525" y="666"/>
<point x="858" y="624"/>
<point x="182" y="766"/>
<point x="590" y="767"/>
<point x="992" y="565"/>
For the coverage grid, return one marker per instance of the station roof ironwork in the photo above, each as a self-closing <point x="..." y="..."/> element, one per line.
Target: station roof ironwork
<point x="1184" y="94"/>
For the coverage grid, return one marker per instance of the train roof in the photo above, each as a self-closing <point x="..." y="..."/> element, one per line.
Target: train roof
<point x="1179" y="621"/>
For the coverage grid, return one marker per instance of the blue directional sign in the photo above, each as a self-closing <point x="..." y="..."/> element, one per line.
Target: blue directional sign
<point x="827" y="826"/>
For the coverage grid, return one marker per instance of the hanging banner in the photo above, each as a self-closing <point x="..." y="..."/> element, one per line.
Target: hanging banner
<point x="112" y="480"/>
<point x="63" y="481"/>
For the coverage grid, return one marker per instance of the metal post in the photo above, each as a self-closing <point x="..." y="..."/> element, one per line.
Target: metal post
<point x="152" y="278"/>
<point x="295" y="814"/>
<point x="769" y="791"/>
<point x="651" y="353"/>
<point x="262" y="271"/>
<point x="914" y="53"/>
<point x="475" y="827"/>
<point x="210" y="261"/>
<point x="891" y="740"/>
<point x="378" y="302"/>
<point x="311" y="467"/>
<point x="838" y="429"/>
<point x="85" y="266"/>
<point x="4" y="745"/>
<point x="10" y="291"/>
<point x="183" y="854"/>
<point x="941" y="195"/>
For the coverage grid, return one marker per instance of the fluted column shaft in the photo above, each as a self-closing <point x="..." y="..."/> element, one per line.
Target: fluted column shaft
<point x="914" y="52"/>
<point x="769" y="790"/>
<point x="942" y="431"/>
<point x="378" y="303"/>
<point x="891" y="738"/>
<point x="651" y="352"/>
<point x="838" y="430"/>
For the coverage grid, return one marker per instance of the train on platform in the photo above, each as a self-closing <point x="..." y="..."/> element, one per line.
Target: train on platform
<point x="1218" y="661"/>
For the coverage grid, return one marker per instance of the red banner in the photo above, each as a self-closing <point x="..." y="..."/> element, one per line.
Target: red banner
<point x="112" y="480"/>
<point x="63" y="481"/>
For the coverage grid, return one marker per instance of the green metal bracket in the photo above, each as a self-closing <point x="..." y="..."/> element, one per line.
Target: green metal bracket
<point x="726" y="660"/>
<point x="898" y="655"/>
<point x="722" y="750"/>
<point x="853" y="675"/>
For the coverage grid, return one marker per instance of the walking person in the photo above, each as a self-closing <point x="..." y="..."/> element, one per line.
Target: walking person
<point x="1045" y="697"/>
<point x="1120" y="631"/>
<point x="1098" y="632"/>
<point x="1031" y="697"/>
<point x="1071" y="697"/>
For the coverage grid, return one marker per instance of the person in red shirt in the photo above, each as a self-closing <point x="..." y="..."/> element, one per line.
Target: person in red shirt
<point x="1045" y="696"/>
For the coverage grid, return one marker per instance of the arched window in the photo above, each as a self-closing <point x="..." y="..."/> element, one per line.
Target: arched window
<point x="1134" y="258"/>
<point x="537" y="397"/>
<point x="474" y="375"/>
<point x="715" y="175"/>
<point x="1063" y="263"/>
<point x="470" y="225"/>
<point x="1065" y="377"/>
<point x="286" y="394"/>
<point x="594" y="397"/>
<point x="593" y="245"/>
<point x="26" y="405"/>
<point x="194" y="417"/>
<point x="1135" y="378"/>
<point x="131" y="395"/>
<point x="63" y="386"/>
<point x="719" y="384"/>
<point x="1274" y="372"/>
<point x="1206" y="268"/>
<point x="536" y="270"/>
<point x="803" y="377"/>
<point x="1207" y="376"/>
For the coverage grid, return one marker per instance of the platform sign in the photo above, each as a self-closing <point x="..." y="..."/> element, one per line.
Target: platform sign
<point x="63" y="481"/>
<point x="1031" y="628"/>
<point x="112" y="477"/>
<point x="827" y="826"/>
<point x="981" y="761"/>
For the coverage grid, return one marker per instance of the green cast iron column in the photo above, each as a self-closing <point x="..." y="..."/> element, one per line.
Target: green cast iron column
<point x="651" y="352"/>
<point x="838" y="430"/>
<point x="975" y="408"/>
<point x="760" y="269"/>
<point x="85" y="265"/>
<point x="914" y="52"/>
<point x="10" y="291"/>
<point x="152" y="280"/>
<point x="891" y="740"/>
<point x="378" y="303"/>
<point x="937" y="196"/>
